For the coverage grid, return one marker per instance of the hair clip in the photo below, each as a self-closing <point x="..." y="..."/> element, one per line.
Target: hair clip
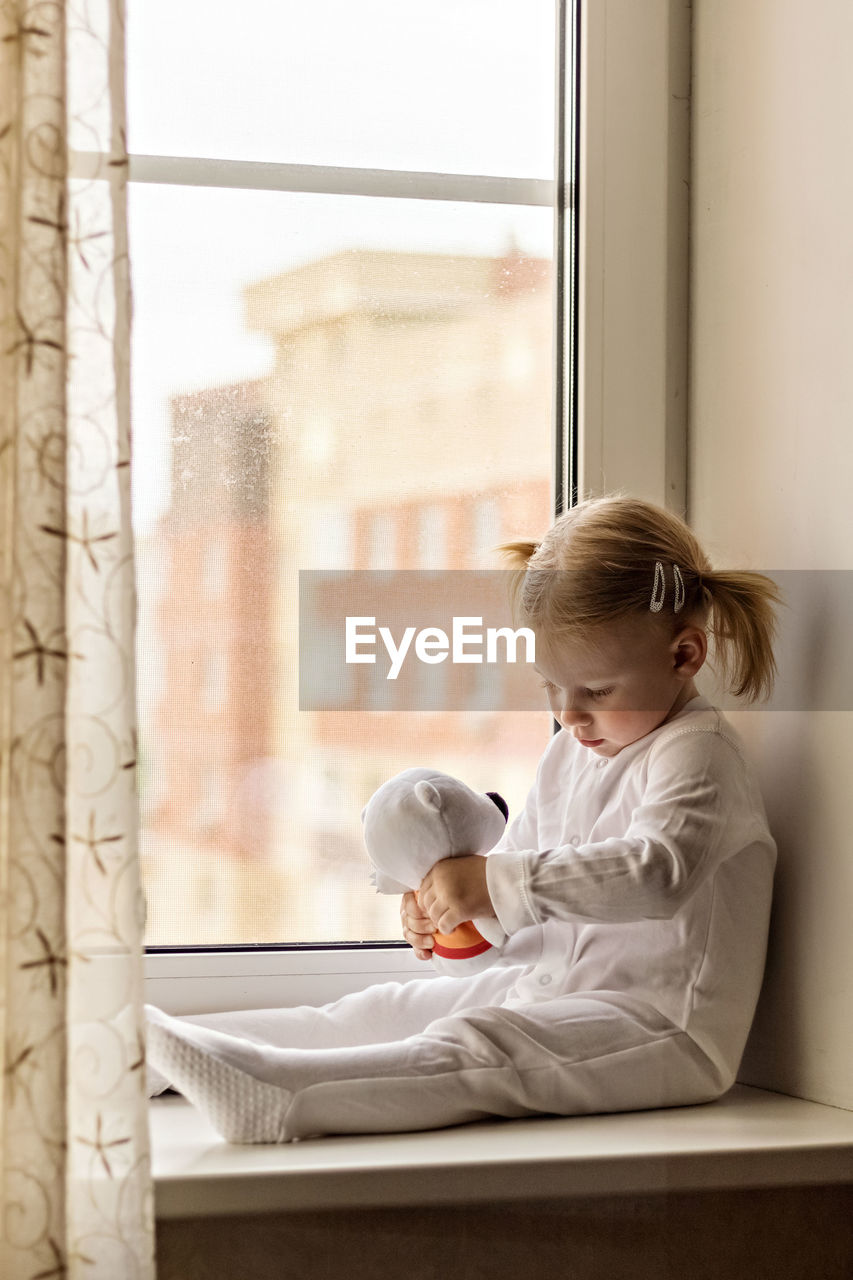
<point x="659" y="589"/>
<point x="679" y="588"/>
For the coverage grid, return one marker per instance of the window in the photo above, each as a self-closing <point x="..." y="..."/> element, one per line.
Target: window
<point x="324" y="290"/>
<point x="341" y="308"/>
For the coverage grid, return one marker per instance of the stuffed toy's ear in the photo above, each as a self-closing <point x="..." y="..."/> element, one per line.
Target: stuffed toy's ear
<point x="428" y="795"/>
<point x="500" y="802"/>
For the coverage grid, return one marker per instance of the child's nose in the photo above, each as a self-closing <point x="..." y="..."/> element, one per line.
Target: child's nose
<point x="571" y="715"/>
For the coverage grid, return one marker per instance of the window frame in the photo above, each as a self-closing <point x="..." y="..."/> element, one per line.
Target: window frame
<point x="633" y="213"/>
<point x="215" y="979"/>
<point x="620" y="395"/>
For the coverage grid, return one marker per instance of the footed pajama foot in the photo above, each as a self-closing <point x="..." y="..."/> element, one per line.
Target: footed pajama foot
<point x="203" y="1065"/>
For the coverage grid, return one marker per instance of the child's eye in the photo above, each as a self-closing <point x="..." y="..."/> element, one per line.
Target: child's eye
<point x="593" y="693"/>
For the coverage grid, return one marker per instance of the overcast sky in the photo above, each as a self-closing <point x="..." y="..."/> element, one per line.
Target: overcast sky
<point x="462" y="86"/>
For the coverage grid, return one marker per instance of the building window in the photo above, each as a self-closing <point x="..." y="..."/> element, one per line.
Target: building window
<point x="382" y="535"/>
<point x="381" y="689"/>
<point x="330" y="534"/>
<point x="432" y="537"/>
<point x="215" y="680"/>
<point x="487" y="532"/>
<point x="213" y="801"/>
<point x="215" y="571"/>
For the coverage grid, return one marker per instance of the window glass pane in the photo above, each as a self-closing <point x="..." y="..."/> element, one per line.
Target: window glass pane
<point x="300" y="404"/>
<point x="462" y="86"/>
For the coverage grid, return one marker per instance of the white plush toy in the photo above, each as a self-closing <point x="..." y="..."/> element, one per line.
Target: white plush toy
<point x="413" y="821"/>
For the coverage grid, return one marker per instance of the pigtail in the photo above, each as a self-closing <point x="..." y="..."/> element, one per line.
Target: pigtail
<point x="744" y="629"/>
<point x="517" y="555"/>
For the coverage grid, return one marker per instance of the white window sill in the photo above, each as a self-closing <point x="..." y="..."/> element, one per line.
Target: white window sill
<point x="748" y="1138"/>
<point x="216" y="981"/>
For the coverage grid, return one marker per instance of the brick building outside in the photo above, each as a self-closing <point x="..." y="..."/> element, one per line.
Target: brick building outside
<point x="405" y="423"/>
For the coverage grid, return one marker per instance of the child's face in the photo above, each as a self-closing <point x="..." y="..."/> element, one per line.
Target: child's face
<point x="630" y="681"/>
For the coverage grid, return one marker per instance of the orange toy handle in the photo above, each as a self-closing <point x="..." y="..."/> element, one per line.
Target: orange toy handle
<point x="463" y="943"/>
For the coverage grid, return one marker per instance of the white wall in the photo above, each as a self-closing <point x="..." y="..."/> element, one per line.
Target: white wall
<point x="771" y="460"/>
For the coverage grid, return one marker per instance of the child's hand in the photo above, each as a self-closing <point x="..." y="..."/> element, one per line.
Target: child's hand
<point x="417" y="927"/>
<point x="455" y="890"/>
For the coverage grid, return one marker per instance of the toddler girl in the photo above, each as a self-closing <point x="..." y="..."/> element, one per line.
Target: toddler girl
<point x="635" y="885"/>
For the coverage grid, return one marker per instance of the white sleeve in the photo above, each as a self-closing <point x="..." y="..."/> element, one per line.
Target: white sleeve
<point x="689" y="819"/>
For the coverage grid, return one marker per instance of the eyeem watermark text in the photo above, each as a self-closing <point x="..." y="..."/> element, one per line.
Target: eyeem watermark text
<point x="448" y="638"/>
<point x="433" y="645"/>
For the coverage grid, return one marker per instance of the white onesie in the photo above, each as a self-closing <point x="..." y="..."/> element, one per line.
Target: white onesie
<point x="637" y="892"/>
<point x="649" y="873"/>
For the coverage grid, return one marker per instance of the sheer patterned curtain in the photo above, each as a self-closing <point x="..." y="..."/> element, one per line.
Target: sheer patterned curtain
<point x="76" y="1181"/>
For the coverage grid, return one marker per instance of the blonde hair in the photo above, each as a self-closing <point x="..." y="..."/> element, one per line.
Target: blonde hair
<point x="596" y="565"/>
